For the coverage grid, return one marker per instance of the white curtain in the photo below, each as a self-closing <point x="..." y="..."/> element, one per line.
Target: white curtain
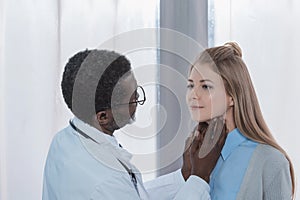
<point x="36" y="39"/>
<point x="29" y="72"/>
<point x="268" y="33"/>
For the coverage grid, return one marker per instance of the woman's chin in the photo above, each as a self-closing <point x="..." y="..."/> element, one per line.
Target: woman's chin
<point x="200" y="119"/>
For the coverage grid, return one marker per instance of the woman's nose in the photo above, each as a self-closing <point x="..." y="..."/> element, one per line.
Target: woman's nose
<point x="196" y="94"/>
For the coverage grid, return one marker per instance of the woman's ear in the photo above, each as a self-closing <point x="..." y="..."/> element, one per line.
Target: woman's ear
<point x="231" y="102"/>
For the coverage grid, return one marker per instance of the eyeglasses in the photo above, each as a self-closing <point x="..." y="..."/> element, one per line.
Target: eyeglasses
<point x="140" y="97"/>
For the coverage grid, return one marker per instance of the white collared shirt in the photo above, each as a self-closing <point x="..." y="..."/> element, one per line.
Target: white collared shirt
<point x="78" y="168"/>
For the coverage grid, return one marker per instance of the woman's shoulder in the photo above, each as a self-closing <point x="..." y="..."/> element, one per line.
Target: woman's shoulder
<point x="269" y="152"/>
<point x="269" y="157"/>
<point x="267" y="174"/>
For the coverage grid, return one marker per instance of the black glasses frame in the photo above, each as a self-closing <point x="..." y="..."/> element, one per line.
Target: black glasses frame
<point x="140" y="102"/>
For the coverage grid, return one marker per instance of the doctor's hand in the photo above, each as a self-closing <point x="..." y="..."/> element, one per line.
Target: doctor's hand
<point x="206" y="148"/>
<point x="187" y="166"/>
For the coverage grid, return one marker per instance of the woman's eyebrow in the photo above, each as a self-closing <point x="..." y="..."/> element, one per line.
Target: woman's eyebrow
<point x="205" y="80"/>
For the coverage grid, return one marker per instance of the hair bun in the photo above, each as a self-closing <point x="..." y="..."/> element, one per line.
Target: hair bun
<point x="235" y="47"/>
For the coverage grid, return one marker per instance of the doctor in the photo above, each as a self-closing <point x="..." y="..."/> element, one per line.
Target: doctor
<point x="85" y="160"/>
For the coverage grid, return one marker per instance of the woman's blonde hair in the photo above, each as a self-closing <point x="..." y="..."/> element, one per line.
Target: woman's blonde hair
<point x="227" y="61"/>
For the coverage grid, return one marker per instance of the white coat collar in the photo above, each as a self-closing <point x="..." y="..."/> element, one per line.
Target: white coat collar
<point x="106" y="150"/>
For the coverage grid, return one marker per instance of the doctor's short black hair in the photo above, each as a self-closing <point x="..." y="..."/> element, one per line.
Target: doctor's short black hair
<point x="89" y="79"/>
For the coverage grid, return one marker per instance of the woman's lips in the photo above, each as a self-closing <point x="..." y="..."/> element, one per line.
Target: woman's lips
<point x="196" y="107"/>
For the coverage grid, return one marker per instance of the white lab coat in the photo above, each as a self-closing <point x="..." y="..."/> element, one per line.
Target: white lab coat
<point x="78" y="168"/>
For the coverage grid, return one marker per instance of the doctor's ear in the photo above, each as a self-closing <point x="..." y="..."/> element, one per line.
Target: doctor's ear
<point x="102" y="118"/>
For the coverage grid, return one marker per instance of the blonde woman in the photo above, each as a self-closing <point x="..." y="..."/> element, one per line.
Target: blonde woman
<point x="252" y="165"/>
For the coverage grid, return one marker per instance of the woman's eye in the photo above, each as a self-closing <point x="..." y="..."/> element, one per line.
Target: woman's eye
<point x="190" y="86"/>
<point x="206" y="87"/>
